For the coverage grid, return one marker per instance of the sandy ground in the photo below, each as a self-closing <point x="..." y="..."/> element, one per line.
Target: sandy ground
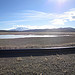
<point x="38" y="65"/>
<point x="40" y="42"/>
<point x="37" y="42"/>
<point x="58" y="64"/>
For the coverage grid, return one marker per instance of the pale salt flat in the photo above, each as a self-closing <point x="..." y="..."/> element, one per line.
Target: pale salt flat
<point x="28" y="36"/>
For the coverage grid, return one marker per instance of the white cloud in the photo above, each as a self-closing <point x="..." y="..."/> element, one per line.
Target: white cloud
<point x="63" y="18"/>
<point x="58" y="22"/>
<point x="53" y="20"/>
<point x="68" y="15"/>
<point x="37" y="15"/>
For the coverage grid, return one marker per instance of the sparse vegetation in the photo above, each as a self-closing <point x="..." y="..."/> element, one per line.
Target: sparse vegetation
<point x="19" y="59"/>
<point x="38" y="65"/>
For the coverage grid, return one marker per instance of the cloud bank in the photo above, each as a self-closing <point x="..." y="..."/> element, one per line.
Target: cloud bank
<point x="42" y="19"/>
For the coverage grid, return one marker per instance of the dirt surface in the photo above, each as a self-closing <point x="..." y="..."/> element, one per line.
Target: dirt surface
<point x="58" y="64"/>
<point x="36" y="33"/>
<point x="45" y="42"/>
<point x="37" y="42"/>
<point x="38" y="65"/>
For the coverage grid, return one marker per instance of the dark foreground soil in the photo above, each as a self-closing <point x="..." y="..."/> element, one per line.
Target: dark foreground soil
<point x="38" y="65"/>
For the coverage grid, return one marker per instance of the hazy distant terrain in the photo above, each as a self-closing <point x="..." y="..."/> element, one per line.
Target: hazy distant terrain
<point x="37" y="42"/>
<point x="23" y="29"/>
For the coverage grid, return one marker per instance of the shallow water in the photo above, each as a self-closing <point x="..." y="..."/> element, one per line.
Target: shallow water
<point x="28" y="36"/>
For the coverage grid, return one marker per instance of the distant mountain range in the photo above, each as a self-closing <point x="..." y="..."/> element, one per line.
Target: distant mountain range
<point x="19" y="29"/>
<point x="24" y="29"/>
<point x="52" y="30"/>
<point x="68" y="29"/>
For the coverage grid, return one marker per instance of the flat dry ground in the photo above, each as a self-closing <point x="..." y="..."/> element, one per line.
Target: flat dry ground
<point x="37" y="42"/>
<point x="38" y="65"/>
<point x="37" y="33"/>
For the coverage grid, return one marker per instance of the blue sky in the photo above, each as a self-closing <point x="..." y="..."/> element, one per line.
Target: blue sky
<point x="37" y="14"/>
